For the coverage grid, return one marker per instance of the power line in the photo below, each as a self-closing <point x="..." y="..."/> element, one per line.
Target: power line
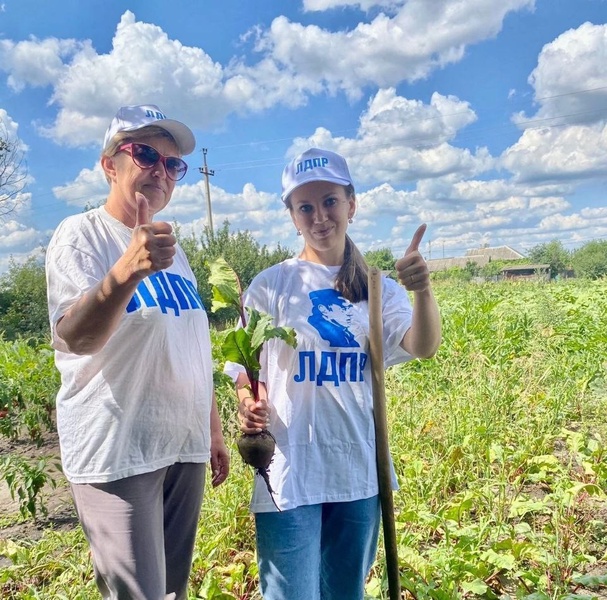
<point x="279" y="160"/>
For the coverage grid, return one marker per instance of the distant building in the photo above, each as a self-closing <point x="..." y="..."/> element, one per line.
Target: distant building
<point x="541" y="272"/>
<point x="480" y="256"/>
<point x="497" y="253"/>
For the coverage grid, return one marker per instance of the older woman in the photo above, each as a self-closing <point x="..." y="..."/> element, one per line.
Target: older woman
<point x="136" y="413"/>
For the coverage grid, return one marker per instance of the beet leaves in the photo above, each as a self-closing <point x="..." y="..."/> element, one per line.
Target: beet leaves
<point x="243" y="345"/>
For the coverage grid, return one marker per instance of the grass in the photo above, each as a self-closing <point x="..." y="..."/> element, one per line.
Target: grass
<point x="499" y="447"/>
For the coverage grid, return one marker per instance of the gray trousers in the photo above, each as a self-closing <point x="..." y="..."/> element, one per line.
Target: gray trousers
<point x="142" y="530"/>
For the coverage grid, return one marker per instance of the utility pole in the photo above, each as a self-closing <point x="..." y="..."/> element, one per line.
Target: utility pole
<point x="206" y="172"/>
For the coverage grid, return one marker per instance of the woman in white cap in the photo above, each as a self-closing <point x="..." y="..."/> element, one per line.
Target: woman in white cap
<point x="136" y="413"/>
<point x="317" y="398"/>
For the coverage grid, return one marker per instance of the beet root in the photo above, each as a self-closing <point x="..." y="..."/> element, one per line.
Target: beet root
<point x="257" y="450"/>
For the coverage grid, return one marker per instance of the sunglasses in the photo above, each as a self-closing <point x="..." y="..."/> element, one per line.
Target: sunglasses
<point x="146" y="157"/>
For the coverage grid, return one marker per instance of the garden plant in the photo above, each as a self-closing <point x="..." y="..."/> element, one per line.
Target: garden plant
<point x="499" y="444"/>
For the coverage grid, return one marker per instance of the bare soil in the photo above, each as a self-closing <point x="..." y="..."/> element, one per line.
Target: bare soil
<point x="57" y="500"/>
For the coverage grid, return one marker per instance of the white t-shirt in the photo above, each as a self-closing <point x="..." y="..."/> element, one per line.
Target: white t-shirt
<point x="143" y="401"/>
<point x="320" y="392"/>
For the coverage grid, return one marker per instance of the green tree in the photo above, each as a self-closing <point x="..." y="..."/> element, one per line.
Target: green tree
<point x="591" y="260"/>
<point x="383" y="259"/>
<point x="23" y="304"/>
<point x="554" y="254"/>
<point x="454" y="274"/>
<point x="472" y="268"/>
<point x="239" y="249"/>
<point x="492" y="269"/>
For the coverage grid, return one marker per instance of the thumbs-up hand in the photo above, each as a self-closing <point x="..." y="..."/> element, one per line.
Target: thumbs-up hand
<point x="411" y="269"/>
<point x="143" y="210"/>
<point x="152" y="246"/>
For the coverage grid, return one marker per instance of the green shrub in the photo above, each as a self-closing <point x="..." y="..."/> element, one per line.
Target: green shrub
<point x="29" y="383"/>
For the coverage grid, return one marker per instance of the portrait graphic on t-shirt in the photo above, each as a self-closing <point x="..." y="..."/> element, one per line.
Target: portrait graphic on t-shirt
<point x="332" y="318"/>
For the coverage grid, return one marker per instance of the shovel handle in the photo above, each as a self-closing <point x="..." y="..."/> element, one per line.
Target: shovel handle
<point x="382" y="446"/>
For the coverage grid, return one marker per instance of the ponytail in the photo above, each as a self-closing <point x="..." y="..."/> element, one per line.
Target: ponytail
<point x="351" y="281"/>
<point x="352" y="278"/>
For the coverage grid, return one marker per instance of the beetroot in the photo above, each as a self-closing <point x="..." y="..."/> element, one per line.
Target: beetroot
<point x="257" y="450"/>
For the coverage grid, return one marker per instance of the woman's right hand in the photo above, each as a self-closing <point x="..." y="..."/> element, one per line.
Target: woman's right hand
<point x="153" y="245"/>
<point x="253" y="416"/>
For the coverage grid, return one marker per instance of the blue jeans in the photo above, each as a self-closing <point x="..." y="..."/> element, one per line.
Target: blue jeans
<point x="317" y="552"/>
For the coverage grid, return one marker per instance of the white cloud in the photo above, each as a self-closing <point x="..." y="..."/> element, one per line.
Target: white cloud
<point x="547" y="205"/>
<point x="144" y="65"/>
<point x="322" y="5"/>
<point x="392" y="119"/>
<point x="570" y="80"/>
<point x="553" y="154"/>
<point x="422" y="36"/>
<point x="261" y="213"/>
<point x="18" y="258"/>
<point x="36" y="62"/>
<point x="10" y="128"/>
<point x="16" y="236"/>
<point x="295" y="61"/>
<point x="89" y="188"/>
<point x="560" y="222"/>
<point x="401" y="140"/>
<point x="385" y="200"/>
<point x="594" y="213"/>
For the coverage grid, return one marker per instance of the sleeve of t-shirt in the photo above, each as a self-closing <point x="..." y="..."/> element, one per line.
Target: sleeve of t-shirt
<point x="72" y="268"/>
<point x="397" y="315"/>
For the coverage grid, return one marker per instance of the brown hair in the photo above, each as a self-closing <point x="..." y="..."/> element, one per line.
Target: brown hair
<point x="351" y="280"/>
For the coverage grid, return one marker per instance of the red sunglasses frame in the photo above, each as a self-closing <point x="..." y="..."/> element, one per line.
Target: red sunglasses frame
<point x="161" y="158"/>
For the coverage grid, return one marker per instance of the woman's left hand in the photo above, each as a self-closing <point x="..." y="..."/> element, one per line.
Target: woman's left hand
<point x="220" y="461"/>
<point x="411" y="269"/>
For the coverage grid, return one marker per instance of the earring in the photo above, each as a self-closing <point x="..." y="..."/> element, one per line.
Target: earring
<point x="350" y="220"/>
<point x="298" y="232"/>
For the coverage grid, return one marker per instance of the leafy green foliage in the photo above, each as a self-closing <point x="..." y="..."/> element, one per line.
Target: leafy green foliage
<point x="243" y="345"/>
<point x="226" y="286"/>
<point x="591" y="260"/>
<point x="23" y="304"/>
<point x="500" y="448"/>
<point x="454" y="274"/>
<point x="383" y="259"/>
<point x="493" y="268"/>
<point x="240" y="250"/>
<point x="554" y="254"/>
<point x="28" y="386"/>
<point x="25" y="482"/>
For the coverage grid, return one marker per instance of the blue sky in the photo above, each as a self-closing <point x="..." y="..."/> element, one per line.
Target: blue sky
<point x="486" y="120"/>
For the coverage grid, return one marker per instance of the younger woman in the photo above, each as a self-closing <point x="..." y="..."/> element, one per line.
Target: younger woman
<point x="316" y="399"/>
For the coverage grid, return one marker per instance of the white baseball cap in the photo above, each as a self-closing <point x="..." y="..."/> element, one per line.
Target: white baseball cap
<point x="131" y="118"/>
<point x="314" y="165"/>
